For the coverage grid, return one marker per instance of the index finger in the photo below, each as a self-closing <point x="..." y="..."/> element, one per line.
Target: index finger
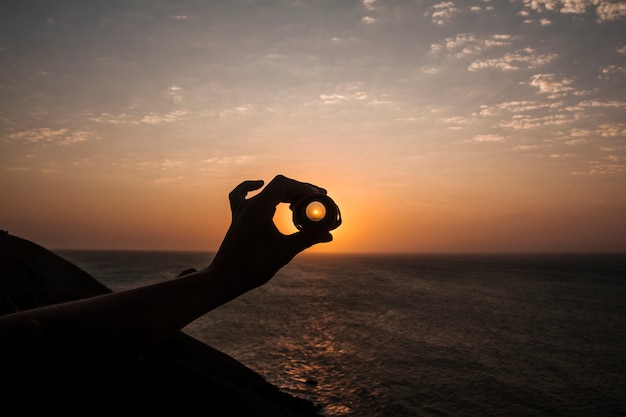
<point x="238" y="195"/>
<point x="286" y="190"/>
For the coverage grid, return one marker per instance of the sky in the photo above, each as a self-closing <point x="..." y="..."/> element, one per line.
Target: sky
<point x="436" y="126"/>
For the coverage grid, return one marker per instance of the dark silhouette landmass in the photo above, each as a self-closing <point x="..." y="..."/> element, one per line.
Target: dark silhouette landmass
<point x="181" y="376"/>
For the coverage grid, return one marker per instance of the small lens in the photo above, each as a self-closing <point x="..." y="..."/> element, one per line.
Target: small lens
<point x="315" y="211"/>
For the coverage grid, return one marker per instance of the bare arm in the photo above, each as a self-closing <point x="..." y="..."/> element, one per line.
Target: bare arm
<point x="103" y="330"/>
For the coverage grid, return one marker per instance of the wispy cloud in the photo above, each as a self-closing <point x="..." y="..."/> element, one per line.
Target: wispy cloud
<point x="62" y="136"/>
<point x="335" y="98"/>
<point x="240" y="110"/>
<point x="139" y="118"/>
<point x="526" y="58"/>
<point x="170" y="117"/>
<point x="552" y="85"/>
<point x="369" y="4"/>
<point x="525" y="122"/>
<point x="486" y="138"/>
<point x="368" y="20"/>
<point x="442" y="12"/>
<point x="467" y="44"/>
<point x="605" y="10"/>
<point x="517" y="107"/>
<point x="113" y="119"/>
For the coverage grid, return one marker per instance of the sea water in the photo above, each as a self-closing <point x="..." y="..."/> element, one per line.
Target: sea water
<point x="419" y="335"/>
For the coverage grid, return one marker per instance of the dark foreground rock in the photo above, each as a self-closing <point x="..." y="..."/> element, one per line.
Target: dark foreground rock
<point x="182" y="376"/>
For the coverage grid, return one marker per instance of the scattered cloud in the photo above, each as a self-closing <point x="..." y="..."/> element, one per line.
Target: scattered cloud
<point x="605" y="10"/>
<point x="62" y="136"/>
<point x="486" y="138"/>
<point x="369" y="4"/>
<point x="113" y="119"/>
<point x="525" y="147"/>
<point x="552" y="85"/>
<point x="173" y="116"/>
<point x="526" y="58"/>
<point x="609" y="104"/>
<point x="516" y="107"/>
<point x="227" y="160"/>
<point x="170" y="163"/>
<point x="368" y="20"/>
<point x="465" y="44"/>
<point x="525" y="121"/>
<point x="605" y="168"/>
<point x="611" y="71"/>
<point x="427" y="69"/>
<point x="337" y="98"/>
<point x="442" y="12"/>
<point x="241" y="110"/>
<point x="175" y="92"/>
<point x="612" y="129"/>
<point x="611" y="11"/>
<point x="170" y="180"/>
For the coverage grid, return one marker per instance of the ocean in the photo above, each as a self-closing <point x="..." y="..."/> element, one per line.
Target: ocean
<point x="419" y="335"/>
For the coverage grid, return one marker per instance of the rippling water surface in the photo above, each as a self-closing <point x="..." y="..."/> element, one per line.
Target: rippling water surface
<point x="392" y="335"/>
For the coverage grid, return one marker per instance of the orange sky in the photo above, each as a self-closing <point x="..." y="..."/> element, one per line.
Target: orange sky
<point x="475" y="127"/>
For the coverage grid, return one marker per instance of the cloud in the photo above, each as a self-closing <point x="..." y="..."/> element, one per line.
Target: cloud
<point x="605" y="168"/>
<point x="173" y="116"/>
<point x="552" y="85"/>
<point x="129" y="119"/>
<point x="443" y="12"/>
<point x="61" y="136"/>
<point x="486" y="138"/>
<point x="337" y="98"/>
<point x="465" y="44"/>
<point x="612" y="130"/>
<point x="605" y="10"/>
<point x="611" y="71"/>
<point x="369" y="4"/>
<point x="580" y="132"/>
<point x="227" y="160"/>
<point x="575" y="6"/>
<point x="525" y="147"/>
<point x="598" y="103"/>
<point x="368" y="20"/>
<point x="519" y="106"/>
<point x="526" y="58"/>
<point x="611" y="11"/>
<point x="113" y="119"/>
<point x="170" y="163"/>
<point x="170" y="180"/>
<point x="174" y="92"/>
<point x="525" y="122"/>
<point x="429" y="69"/>
<point x="241" y="110"/>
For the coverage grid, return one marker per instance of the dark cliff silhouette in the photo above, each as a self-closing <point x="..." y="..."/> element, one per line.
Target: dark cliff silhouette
<point x="181" y="376"/>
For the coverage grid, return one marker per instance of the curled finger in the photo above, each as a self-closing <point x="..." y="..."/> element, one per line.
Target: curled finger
<point x="238" y="195"/>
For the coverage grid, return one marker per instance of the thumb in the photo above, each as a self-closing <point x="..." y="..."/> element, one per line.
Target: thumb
<point x="303" y="240"/>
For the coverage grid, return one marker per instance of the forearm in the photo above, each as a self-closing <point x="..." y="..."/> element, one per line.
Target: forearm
<point x="98" y="331"/>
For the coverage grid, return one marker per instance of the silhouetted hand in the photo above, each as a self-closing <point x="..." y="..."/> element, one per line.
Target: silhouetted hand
<point x="254" y="249"/>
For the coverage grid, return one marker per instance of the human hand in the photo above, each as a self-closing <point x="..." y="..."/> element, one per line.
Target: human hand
<point x="254" y="249"/>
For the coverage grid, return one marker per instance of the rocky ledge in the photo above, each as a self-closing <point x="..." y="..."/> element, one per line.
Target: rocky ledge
<point x="182" y="376"/>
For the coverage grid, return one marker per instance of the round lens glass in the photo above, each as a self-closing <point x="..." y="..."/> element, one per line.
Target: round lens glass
<point x="315" y="211"/>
